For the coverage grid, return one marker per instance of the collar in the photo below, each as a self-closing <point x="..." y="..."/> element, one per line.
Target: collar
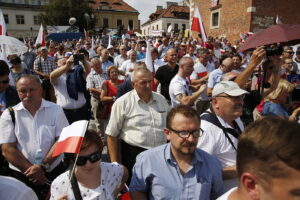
<point x="137" y="98"/>
<point x="196" y="158"/>
<point x="44" y="104"/>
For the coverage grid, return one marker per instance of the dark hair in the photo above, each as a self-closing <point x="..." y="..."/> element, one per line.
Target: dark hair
<point x="187" y="111"/>
<point x="15" y="60"/>
<point x="237" y="55"/>
<point x="4" y="69"/>
<point x="267" y="147"/>
<point x="91" y="138"/>
<point x="223" y="57"/>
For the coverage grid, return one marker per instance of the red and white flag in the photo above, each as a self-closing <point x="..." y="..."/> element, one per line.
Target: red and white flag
<point x="197" y="24"/>
<point x="3" y="30"/>
<point x="71" y="138"/>
<point x="278" y="21"/>
<point x="41" y="37"/>
<point x="86" y="35"/>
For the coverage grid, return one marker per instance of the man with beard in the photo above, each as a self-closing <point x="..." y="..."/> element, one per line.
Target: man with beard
<point x="222" y="126"/>
<point x="177" y="170"/>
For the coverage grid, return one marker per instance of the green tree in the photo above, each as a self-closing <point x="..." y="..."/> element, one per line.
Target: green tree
<point x="58" y="12"/>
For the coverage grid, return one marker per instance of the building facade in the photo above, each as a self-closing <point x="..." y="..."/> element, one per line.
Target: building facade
<point x="159" y="21"/>
<point x="230" y="18"/>
<point x="112" y="14"/>
<point x="21" y="16"/>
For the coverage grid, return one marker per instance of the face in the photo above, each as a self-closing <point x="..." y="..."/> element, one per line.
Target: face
<point x="104" y="54"/>
<point x="288" y="53"/>
<point x="132" y="56"/>
<point x="123" y="50"/>
<point x="204" y="58"/>
<point x="236" y="62"/>
<point x="29" y="91"/>
<point x="228" y="106"/>
<point x="89" y="166"/>
<point x="227" y="65"/>
<point x="179" y="145"/>
<point x="97" y="66"/>
<point x="143" y="83"/>
<point x="113" y="74"/>
<point x="171" y="56"/>
<point x="44" y="53"/>
<point x="298" y="54"/>
<point x="4" y="83"/>
<point x="282" y="188"/>
<point x="188" y="68"/>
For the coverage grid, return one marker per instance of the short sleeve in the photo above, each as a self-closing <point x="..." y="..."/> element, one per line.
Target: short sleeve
<point x="210" y="83"/>
<point x="178" y="88"/>
<point x="112" y="174"/>
<point x="7" y="128"/>
<point x="139" y="175"/>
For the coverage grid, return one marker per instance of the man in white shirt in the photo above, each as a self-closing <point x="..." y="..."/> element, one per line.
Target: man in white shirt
<point x="222" y="126"/>
<point x="128" y="65"/>
<point x="268" y="163"/>
<point x="138" y="118"/>
<point x="180" y="89"/>
<point x="31" y="129"/>
<point x="118" y="61"/>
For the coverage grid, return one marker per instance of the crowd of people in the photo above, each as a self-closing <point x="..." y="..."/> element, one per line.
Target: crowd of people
<point x="181" y="119"/>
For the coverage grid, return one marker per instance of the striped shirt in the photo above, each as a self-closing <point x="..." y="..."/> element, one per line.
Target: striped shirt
<point x="95" y="80"/>
<point x="44" y="65"/>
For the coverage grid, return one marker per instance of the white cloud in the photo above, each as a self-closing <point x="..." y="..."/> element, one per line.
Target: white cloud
<point x="146" y="7"/>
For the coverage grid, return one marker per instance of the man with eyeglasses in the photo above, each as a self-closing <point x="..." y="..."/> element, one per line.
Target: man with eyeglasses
<point x="177" y="170"/>
<point x="222" y="126"/>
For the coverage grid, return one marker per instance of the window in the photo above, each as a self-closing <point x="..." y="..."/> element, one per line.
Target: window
<point x="183" y="27"/>
<point x="175" y="27"/>
<point x="130" y="24"/>
<point x="215" y="19"/>
<point x="105" y="23"/>
<point x="36" y="20"/>
<point x="156" y="27"/>
<point x="119" y="22"/>
<point x="20" y="19"/>
<point x="6" y="19"/>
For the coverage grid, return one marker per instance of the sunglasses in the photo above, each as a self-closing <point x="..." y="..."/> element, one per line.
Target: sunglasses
<point x="4" y="82"/>
<point x="94" y="157"/>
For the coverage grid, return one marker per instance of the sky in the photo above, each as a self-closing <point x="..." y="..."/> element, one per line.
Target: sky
<point x="146" y="7"/>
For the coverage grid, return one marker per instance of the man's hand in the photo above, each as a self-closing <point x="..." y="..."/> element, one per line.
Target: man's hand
<point x="36" y="175"/>
<point x="257" y="56"/>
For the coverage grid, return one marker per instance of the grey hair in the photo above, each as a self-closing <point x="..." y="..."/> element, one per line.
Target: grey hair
<point x="185" y="60"/>
<point x="143" y="70"/>
<point x="202" y="51"/>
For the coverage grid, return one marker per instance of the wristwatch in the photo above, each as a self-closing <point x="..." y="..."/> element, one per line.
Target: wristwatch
<point x="45" y="166"/>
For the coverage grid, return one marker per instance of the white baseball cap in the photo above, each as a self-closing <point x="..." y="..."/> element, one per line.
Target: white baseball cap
<point x="228" y="87"/>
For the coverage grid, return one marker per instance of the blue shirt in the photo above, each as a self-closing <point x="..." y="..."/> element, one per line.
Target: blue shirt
<point x="273" y="109"/>
<point x="214" y="78"/>
<point x="157" y="174"/>
<point x="105" y="65"/>
<point x="2" y="101"/>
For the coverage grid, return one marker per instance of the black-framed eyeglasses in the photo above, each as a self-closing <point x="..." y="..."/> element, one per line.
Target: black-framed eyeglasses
<point x="94" y="157"/>
<point x="241" y="97"/>
<point x="5" y="81"/>
<point x="185" y="134"/>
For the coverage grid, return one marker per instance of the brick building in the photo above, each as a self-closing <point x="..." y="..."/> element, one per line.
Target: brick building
<point x="229" y="18"/>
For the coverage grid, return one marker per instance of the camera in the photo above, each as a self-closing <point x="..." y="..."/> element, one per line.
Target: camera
<point x="275" y="51"/>
<point x="77" y="58"/>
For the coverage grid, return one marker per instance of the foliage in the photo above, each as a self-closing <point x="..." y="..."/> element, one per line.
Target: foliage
<point x="58" y="12"/>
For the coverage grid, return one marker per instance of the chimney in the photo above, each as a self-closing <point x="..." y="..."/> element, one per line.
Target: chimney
<point x="170" y="3"/>
<point x="159" y="7"/>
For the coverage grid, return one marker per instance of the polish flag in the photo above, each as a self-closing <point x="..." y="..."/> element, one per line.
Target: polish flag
<point x="71" y="138"/>
<point x="41" y="37"/>
<point x="197" y="24"/>
<point x="3" y="30"/>
<point x="86" y="34"/>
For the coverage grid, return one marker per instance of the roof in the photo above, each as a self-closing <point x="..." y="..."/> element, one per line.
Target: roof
<point x="173" y="11"/>
<point x="117" y="5"/>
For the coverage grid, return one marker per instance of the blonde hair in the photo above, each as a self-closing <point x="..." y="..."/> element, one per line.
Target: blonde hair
<point x="283" y="86"/>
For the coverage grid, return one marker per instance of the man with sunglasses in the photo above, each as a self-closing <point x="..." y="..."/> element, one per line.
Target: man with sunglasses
<point x="8" y="94"/>
<point x="222" y="126"/>
<point x="177" y="170"/>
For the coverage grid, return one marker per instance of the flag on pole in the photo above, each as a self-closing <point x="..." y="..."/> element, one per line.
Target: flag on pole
<point x="41" y="37"/>
<point x="71" y="138"/>
<point x="93" y="42"/>
<point x="3" y="30"/>
<point x="86" y="34"/>
<point x="109" y="40"/>
<point x="278" y="21"/>
<point x="197" y="24"/>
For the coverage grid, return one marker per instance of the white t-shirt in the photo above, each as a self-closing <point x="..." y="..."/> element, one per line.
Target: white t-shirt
<point x="226" y="195"/>
<point x="178" y="85"/>
<point x="126" y="66"/>
<point x="111" y="176"/>
<point x="13" y="189"/>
